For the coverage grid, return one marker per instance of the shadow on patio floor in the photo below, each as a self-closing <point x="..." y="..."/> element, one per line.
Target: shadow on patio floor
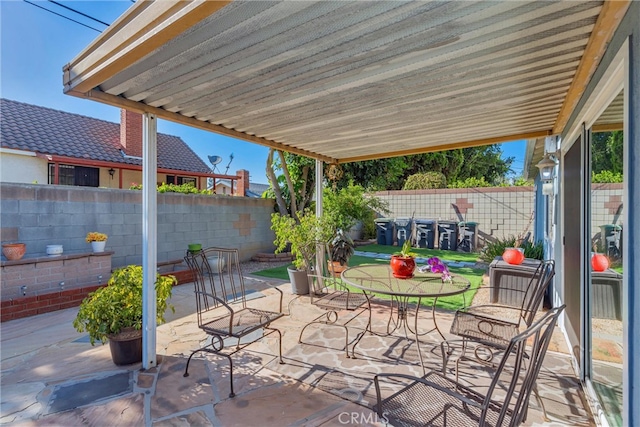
<point x="51" y="377"/>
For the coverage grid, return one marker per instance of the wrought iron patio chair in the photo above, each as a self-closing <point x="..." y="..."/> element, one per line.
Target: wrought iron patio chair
<point x="438" y="400"/>
<point x="495" y="324"/>
<point x="329" y="293"/>
<point x="221" y="304"/>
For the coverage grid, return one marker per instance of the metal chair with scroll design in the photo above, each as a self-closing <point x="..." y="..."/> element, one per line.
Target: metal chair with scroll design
<point x="435" y="399"/>
<point x="221" y="304"/>
<point x="329" y="293"/>
<point x="494" y="325"/>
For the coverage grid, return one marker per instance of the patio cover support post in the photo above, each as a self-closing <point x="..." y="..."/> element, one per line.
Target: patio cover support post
<point x="319" y="178"/>
<point x="149" y="238"/>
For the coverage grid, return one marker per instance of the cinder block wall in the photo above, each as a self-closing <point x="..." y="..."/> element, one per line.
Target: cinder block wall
<point x="41" y="215"/>
<point x="606" y="207"/>
<point x="499" y="211"/>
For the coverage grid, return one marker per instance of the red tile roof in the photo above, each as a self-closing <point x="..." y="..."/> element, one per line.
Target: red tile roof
<point x="48" y="131"/>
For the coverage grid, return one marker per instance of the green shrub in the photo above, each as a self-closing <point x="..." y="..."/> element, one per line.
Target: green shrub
<point x="187" y="188"/>
<point x="118" y="305"/>
<point x="606" y="177"/>
<point x="471" y="182"/>
<point x="497" y="247"/>
<point x="425" y="180"/>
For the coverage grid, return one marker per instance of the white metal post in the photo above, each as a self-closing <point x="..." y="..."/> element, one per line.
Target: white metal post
<point x="149" y="238"/>
<point x="319" y="178"/>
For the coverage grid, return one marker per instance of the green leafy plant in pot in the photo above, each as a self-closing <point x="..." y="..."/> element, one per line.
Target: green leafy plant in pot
<point x="302" y="236"/>
<point x="114" y="313"/>
<point x="341" y="250"/>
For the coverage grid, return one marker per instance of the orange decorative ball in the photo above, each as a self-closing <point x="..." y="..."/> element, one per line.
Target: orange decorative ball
<point x="599" y="262"/>
<point x="513" y="256"/>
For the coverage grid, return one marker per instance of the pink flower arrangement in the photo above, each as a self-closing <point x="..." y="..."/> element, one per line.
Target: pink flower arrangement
<point x="435" y="265"/>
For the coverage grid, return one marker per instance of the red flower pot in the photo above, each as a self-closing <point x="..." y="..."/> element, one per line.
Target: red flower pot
<point x="402" y="267"/>
<point x="513" y="256"/>
<point x="599" y="262"/>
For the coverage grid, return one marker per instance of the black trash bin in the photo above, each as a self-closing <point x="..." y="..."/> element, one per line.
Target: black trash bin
<point x="448" y="235"/>
<point x="611" y="238"/>
<point x="425" y="233"/>
<point x="468" y="231"/>
<point x="403" y="230"/>
<point x="384" y="227"/>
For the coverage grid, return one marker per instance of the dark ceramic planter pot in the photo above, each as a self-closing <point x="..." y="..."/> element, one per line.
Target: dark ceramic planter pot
<point x="126" y="347"/>
<point x="402" y="267"/>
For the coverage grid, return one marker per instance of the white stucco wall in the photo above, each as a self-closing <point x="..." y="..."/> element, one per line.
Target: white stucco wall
<point x="22" y="167"/>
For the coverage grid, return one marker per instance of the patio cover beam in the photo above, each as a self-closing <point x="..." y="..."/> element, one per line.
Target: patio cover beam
<point x="612" y="13"/>
<point x="139" y="107"/>
<point x="466" y="144"/>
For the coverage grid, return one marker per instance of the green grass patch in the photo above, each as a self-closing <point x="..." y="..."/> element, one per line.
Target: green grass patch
<point x="453" y="302"/>
<point x="422" y="252"/>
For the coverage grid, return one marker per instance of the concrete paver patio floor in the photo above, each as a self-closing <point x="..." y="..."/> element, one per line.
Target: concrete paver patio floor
<point x="51" y="375"/>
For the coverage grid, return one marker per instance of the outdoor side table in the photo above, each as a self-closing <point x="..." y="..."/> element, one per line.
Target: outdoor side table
<point x="606" y="288"/>
<point x="509" y="282"/>
<point x="378" y="279"/>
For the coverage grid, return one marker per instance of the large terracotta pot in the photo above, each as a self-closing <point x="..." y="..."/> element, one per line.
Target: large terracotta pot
<point x="513" y="256"/>
<point x="14" y="251"/>
<point x="402" y="267"/>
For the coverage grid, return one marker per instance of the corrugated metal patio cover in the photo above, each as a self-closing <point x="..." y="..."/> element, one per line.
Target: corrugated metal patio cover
<point x="345" y="80"/>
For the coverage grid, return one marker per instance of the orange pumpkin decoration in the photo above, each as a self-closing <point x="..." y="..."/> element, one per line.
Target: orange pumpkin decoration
<point x="402" y="267"/>
<point x="513" y="256"/>
<point x="599" y="262"/>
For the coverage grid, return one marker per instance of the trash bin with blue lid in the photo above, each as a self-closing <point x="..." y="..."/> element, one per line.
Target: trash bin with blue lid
<point x="425" y="233"/>
<point x="403" y="230"/>
<point x="384" y="228"/>
<point x="468" y="232"/>
<point x="448" y="235"/>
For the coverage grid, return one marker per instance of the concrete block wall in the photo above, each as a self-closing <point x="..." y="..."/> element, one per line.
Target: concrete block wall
<point x="44" y="275"/>
<point x="606" y="206"/>
<point x="41" y="215"/>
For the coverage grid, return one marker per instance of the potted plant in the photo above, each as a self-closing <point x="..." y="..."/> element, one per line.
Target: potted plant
<point x="114" y="313"/>
<point x="301" y="236"/>
<point x="341" y="249"/>
<point x="98" y="240"/>
<point x="403" y="263"/>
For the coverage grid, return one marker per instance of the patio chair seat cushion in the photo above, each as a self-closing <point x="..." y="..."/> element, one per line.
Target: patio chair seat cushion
<point x="424" y="402"/>
<point x="340" y="300"/>
<point x="245" y="321"/>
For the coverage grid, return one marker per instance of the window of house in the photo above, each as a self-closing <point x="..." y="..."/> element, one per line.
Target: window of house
<point x="179" y="180"/>
<point x="75" y="175"/>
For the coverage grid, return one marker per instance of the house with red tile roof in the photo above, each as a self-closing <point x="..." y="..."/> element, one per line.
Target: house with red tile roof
<point x="46" y="146"/>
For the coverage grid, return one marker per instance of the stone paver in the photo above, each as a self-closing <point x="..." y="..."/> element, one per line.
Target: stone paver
<point x="51" y="353"/>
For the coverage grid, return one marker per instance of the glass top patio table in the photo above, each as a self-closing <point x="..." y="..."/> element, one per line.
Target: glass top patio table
<point x="378" y="279"/>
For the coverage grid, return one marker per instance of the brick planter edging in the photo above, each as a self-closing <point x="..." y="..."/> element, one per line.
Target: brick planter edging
<point x="18" y="308"/>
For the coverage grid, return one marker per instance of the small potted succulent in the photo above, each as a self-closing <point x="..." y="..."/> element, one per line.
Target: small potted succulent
<point x="341" y="248"/>
<point x="403" y="263"/>
<point x="114" y="313"/>
<point x="98" y="240"/>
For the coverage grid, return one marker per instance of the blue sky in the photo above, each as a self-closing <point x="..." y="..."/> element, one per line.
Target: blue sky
<point x="36" y="44"/>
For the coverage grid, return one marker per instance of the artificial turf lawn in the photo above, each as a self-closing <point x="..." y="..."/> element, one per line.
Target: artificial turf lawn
<point x="454" y="302"/>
